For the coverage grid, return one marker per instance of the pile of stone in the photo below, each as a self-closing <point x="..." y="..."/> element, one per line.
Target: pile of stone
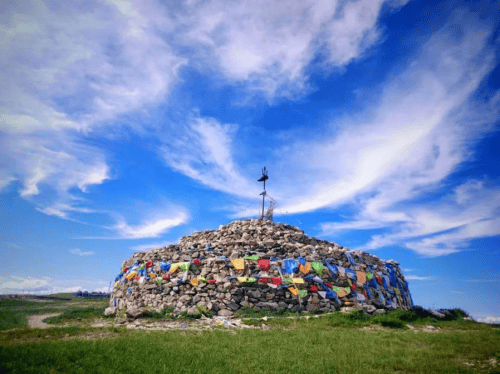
<point x="261" y="265"/>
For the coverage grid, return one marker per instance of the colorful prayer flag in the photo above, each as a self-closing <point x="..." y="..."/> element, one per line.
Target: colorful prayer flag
<point x="238" y="263"/>
<point x="317" y="267"/>
<point x="264" y="264"/>
<point x="361" y="277"/>
<point x="305" y="268"/>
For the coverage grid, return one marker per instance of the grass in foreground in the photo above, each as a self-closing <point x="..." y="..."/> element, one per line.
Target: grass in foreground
<point x="304" y="346"/>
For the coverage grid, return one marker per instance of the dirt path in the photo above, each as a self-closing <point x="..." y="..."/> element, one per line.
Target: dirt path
<point x="35" y="321"/>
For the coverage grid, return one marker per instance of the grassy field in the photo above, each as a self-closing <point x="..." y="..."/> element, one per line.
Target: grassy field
<point x="14" y="313"/>
<point x="401" y="342"/>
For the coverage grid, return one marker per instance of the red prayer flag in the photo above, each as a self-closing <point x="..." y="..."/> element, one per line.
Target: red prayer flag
<point x="264" y="264"/>
<point x="379" y="280"/>
<point x="264" y="280"/>
<point x="313" y="288"/>
<point x="354" y="286"/>
<point x="196" y="262"/>
<point x="149" y="264"/>
<point x="276" y="281"/>
<point x="211" y="281"/>
<point x="166" y="276"/>
<point x="136" y="278"/>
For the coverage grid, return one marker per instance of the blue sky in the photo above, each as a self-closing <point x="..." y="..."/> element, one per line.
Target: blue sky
<point x="125" y="125"/>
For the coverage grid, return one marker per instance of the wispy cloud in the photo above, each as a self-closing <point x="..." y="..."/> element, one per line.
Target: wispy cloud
<point x="418" y="278"/>
<point x="150" y="246"/>
<point x="495" y="280"/>
<point x="204" y="152"/>
<point x="407" y="140"/>
<point x="151" y="228"/>
<point x="79" y="252"/>
<point x="66" y="71"/>
<point x="268" y="46"/>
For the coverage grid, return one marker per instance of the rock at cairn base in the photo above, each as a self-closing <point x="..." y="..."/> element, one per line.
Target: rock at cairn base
<point x="257" y="264"/>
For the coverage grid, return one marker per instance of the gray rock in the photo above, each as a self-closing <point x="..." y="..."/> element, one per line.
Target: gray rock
<point x="369" y="309"/>
<point x="110" y="311"/>
<point x="134" y="312"/>
<point x="225" y="313"/>
<point x="193" y="311"/>
<point x="435" y="313"/>
<point x="233" y="306"/>
<point x="267" y="305"/>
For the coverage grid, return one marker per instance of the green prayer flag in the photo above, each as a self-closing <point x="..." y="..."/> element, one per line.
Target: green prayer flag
<point x="369" y="276"/>
<point x="336" y="289"/>
<point x="302" y="293"/>
<point x="185" y="266"/>
<point x="288" y="280"/>
<point x="255" y="257"/>
<point x="317" y="267"/>
<point x="159" y="280"/>
<point x="251" y="280"/>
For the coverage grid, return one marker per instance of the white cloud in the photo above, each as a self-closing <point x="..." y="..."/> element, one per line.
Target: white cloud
<point x="14" y="284"/>
<point x="418" y="278"/>
<point x="408" y="139"/>
<point x="151" y="228"/>
<point x="204" y="152"/>
<point x="51" y="167"/>
<point x="447" y="225"/>
<point x="79" y="252"/>
<point x="66" y="71"/>
<point x="489" y="319"/>
<point x="268" y="45"/>
<point x="150" y="246"/>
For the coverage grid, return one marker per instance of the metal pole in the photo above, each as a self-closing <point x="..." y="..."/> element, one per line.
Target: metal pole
<point x="263" y="199"/>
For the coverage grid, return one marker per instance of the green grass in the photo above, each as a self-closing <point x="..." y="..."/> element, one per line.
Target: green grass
<point x="304" y="346"/>
<point x="14" y="313"/>
<point x="331" y="343"/>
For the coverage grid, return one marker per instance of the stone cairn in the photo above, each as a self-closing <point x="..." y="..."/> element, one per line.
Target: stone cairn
<point x="261" y="265"/>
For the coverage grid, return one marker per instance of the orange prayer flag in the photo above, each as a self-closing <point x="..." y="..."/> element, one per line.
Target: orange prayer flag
<point x="305" y="268"/>
<point x="361" y="277"/>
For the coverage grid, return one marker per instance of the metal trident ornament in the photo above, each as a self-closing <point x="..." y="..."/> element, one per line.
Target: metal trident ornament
<point x="263" y="179"/>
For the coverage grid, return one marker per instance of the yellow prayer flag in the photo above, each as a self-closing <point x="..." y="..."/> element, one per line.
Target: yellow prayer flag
<point x="361" y="277"/>
<point x="242" y="279"/>
<point x="294" y="290"/>
<point x="298" y="280"/>
<point x="396" y="290"/>
<point x="305" y="268"/>
<point x="132" y="275"/>
<point x="238" y="263"/>
<point x="174" y="267"/>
